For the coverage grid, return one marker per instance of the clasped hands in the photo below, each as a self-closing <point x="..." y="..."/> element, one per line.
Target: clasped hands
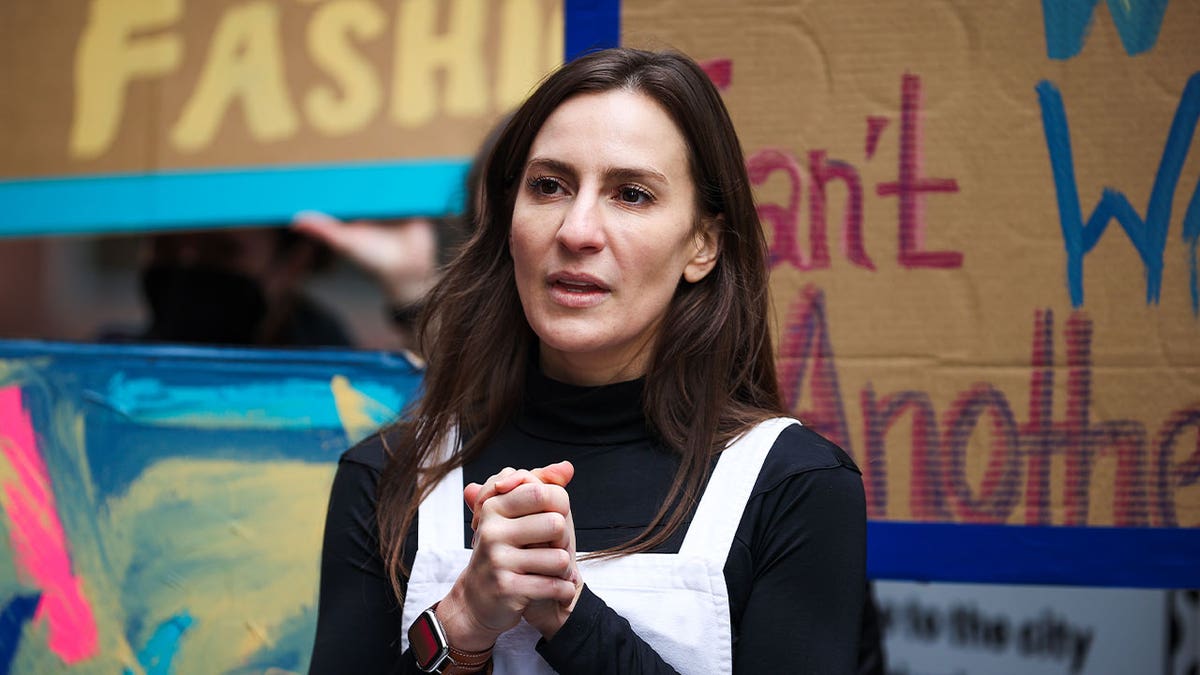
<point x="523" y="562"/>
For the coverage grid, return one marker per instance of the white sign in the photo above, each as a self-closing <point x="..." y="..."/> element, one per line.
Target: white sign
<point x="969" y="629"/>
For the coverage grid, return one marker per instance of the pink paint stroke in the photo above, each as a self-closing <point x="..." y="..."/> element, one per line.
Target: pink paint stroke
<point x="911" y="186"/>
<point x="720" y="71"/>
<point x="875" y="126"/>
<point x="38" y="541"/>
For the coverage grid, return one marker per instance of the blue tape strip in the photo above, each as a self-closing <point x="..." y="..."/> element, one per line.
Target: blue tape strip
<point x="1012" y="554"/>
<point x="591" y="24"/>
<point x="271" y="195"/>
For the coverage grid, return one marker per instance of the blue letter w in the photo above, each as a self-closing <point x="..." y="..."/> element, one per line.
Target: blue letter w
<point x="1067" y="23"/>
<point x="1149" y="237"/>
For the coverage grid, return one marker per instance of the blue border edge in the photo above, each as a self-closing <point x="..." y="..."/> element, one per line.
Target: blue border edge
<point x="226" y="356"/>
<point x="118" y="203"/>
<point x="591" y="25"/>
<point x="1124" y="557"/>
<point x="229" y="197"/>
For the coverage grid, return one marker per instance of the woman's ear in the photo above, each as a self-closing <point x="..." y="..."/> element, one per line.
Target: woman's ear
<point x="708" y="247"/>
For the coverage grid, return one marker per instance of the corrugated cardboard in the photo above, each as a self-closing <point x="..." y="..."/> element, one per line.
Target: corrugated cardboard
<point x="133" y="86"/>
<point x="956" y="366"/>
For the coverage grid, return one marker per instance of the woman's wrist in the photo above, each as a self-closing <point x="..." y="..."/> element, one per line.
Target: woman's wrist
<point x="463" y="632"/>
<point x="549" y="623"/>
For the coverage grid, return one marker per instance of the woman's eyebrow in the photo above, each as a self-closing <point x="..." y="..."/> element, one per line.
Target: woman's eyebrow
<point x="550" y="166"/>
<point x="636" y="175"/>
<point x="612" y="174"/>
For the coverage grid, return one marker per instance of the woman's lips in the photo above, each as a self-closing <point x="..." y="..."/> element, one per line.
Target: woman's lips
<point x="576" y="291"/>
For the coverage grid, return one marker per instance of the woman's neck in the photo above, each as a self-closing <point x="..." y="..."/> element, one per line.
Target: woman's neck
<point x="582" y="415"/>
<point x="588" y="371"/>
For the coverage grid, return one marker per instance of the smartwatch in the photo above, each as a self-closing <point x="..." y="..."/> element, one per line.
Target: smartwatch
<point x="433" y="652"/>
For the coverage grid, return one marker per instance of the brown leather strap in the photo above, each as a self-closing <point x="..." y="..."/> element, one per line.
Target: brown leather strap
<point x="466" y="663"/>
<point x="469" y="662"/>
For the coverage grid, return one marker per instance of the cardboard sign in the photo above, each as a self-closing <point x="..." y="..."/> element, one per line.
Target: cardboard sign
<point x="984" y="224"/>
<point x="162" y="85"/>
<point x="174" y="113"/>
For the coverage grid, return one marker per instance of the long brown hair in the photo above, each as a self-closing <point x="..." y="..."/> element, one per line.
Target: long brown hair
<point x="711" y="374"/>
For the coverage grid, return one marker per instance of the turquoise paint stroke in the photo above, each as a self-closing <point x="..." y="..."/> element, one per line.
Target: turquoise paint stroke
<point x="160" y="650"/>
<point x="294" y="403"/>
<point x="1069" y="21"/>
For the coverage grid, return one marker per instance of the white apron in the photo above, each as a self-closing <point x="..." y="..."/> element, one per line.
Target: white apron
<point x="676" y="602"/>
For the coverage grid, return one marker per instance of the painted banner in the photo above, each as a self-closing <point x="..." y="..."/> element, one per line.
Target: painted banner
<point x="163" y="507"/>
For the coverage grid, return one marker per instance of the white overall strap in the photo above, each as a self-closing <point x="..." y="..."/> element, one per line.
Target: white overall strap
<point x="439" y="520"/>
<point x="720" y="510"/>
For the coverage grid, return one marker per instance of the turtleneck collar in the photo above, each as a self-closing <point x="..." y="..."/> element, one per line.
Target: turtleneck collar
<point x="562" y="412"/>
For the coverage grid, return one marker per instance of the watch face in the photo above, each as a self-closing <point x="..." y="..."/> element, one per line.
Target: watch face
<point x="427" y="640"/>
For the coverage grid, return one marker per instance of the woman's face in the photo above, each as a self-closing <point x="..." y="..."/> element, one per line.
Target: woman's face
<point x="603" y="230"/>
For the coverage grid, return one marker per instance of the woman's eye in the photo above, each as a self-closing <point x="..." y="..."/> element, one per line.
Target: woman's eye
<point x="634" y="195"/>
<point x="545" y="186"/>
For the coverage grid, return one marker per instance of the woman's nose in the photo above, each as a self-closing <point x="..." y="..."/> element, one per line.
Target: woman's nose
<point x="582" y="229"/>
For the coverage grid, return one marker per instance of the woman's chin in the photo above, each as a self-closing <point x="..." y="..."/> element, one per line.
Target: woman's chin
<point x="576" y="348"/>
<point x="583" y="359"/>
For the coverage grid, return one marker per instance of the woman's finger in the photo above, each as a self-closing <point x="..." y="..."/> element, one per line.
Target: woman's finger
<point x="508" y="478"/>
<point x="551" y="562"/>
<point x="471" y="494"/>
<point x="537" y="530"/>
<point x="529" y="498"/>
<point x="534" y="587"/>
<point x="475" y="494"/>
<point x="559" y="473"/>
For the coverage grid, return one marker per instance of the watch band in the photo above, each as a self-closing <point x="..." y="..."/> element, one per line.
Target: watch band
<point x="433" y="652"/>
<point x="468" y="662"/>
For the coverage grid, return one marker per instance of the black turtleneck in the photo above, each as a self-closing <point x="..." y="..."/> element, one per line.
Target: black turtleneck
<point x="795" y="572"/>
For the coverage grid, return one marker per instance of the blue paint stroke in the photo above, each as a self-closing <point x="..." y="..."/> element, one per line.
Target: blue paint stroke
<point x="590" y="25"/>
<point x="161" y="648"/>
<point x="1191" y="237"/>
<point x="290" y="403"/>
<point x="1149" y="236"/>
<point x="1069" y="21"/>
<point x="16" y="614"/>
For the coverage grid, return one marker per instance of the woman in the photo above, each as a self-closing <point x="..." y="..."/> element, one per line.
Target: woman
<point x="610" y="310"/>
